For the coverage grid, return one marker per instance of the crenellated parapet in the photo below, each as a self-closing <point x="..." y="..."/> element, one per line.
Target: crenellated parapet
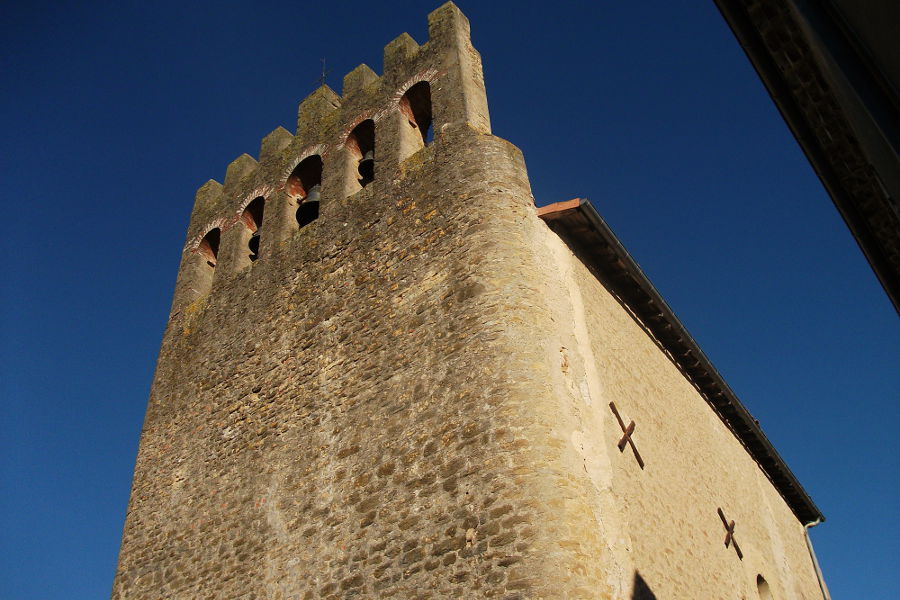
<point x="362" y="138"/>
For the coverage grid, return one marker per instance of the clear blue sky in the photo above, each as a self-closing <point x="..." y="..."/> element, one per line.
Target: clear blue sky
<point x="113" y="116"/>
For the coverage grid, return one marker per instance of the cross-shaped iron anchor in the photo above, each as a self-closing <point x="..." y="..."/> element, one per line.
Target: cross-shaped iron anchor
<point x="626" y="437"/>
<point x="729" y="535"/>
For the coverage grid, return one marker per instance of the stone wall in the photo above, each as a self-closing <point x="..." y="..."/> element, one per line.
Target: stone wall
<point x="659" y="532"/>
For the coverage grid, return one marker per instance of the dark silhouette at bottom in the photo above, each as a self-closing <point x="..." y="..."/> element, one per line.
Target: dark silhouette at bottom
<point x="641" y="591"/>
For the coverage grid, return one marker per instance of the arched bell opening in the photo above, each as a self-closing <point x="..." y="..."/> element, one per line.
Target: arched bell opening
<point x="203" y="263"/>
<point x="208" y="248"/>
<point x="416" y="107"/>
<point x="304" y="186"/>
<point x="252" y="219"/>
<point x="361" y="143"/>
<point x="415" y="120"/>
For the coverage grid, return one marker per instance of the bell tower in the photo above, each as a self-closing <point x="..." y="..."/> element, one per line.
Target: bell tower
<point x="326" y="417"/>
<point x="386" y="374"/>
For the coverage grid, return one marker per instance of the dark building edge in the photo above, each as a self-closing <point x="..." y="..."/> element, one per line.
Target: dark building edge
<point x="579" y="225"/>
<point x="841" y="108"/>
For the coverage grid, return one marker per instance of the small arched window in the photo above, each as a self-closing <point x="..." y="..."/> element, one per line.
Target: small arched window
<point x="252" y="219"/>
<point x="361" y="143"/>
<point x="762" y="587"/>
<point x="304" y="186"/>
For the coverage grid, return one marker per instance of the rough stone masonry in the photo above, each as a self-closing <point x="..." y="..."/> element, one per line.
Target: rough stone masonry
<point x="385" y="376"/>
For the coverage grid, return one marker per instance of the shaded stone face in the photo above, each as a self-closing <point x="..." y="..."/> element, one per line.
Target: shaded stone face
<point x="397" y="397"/>
<point x="322" y="420"/>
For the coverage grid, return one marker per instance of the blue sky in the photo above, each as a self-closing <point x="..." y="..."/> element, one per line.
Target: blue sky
<point x="114" y="113"/>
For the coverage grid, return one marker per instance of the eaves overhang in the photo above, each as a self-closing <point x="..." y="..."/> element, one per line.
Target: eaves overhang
<point x="579" y="225"/>
<point x="832" y="68"/>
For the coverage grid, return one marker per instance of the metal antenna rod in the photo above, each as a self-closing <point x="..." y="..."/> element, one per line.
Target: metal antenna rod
<point x="324" y="73"/>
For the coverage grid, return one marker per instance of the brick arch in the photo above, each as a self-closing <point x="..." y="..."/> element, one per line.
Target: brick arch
<point x="220" y="223"/>
<point x="208" y="246"/>
<point x="322" y="150"/>
<point x="306" y="175"/>
<point x="261" y="192"/>
<point x="428" y="75"/>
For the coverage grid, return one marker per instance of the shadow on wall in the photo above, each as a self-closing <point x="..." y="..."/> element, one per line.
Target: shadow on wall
<point x="641" y="591"/>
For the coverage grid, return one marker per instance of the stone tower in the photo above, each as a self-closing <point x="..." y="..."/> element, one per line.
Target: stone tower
<point x="386" y="374"/>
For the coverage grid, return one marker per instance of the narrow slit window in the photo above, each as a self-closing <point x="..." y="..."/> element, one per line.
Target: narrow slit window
<point x="304" y="186"/>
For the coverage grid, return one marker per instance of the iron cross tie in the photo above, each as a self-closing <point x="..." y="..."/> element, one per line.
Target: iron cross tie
<point x="626" y="435"/>
<point x="729" y="535"/>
